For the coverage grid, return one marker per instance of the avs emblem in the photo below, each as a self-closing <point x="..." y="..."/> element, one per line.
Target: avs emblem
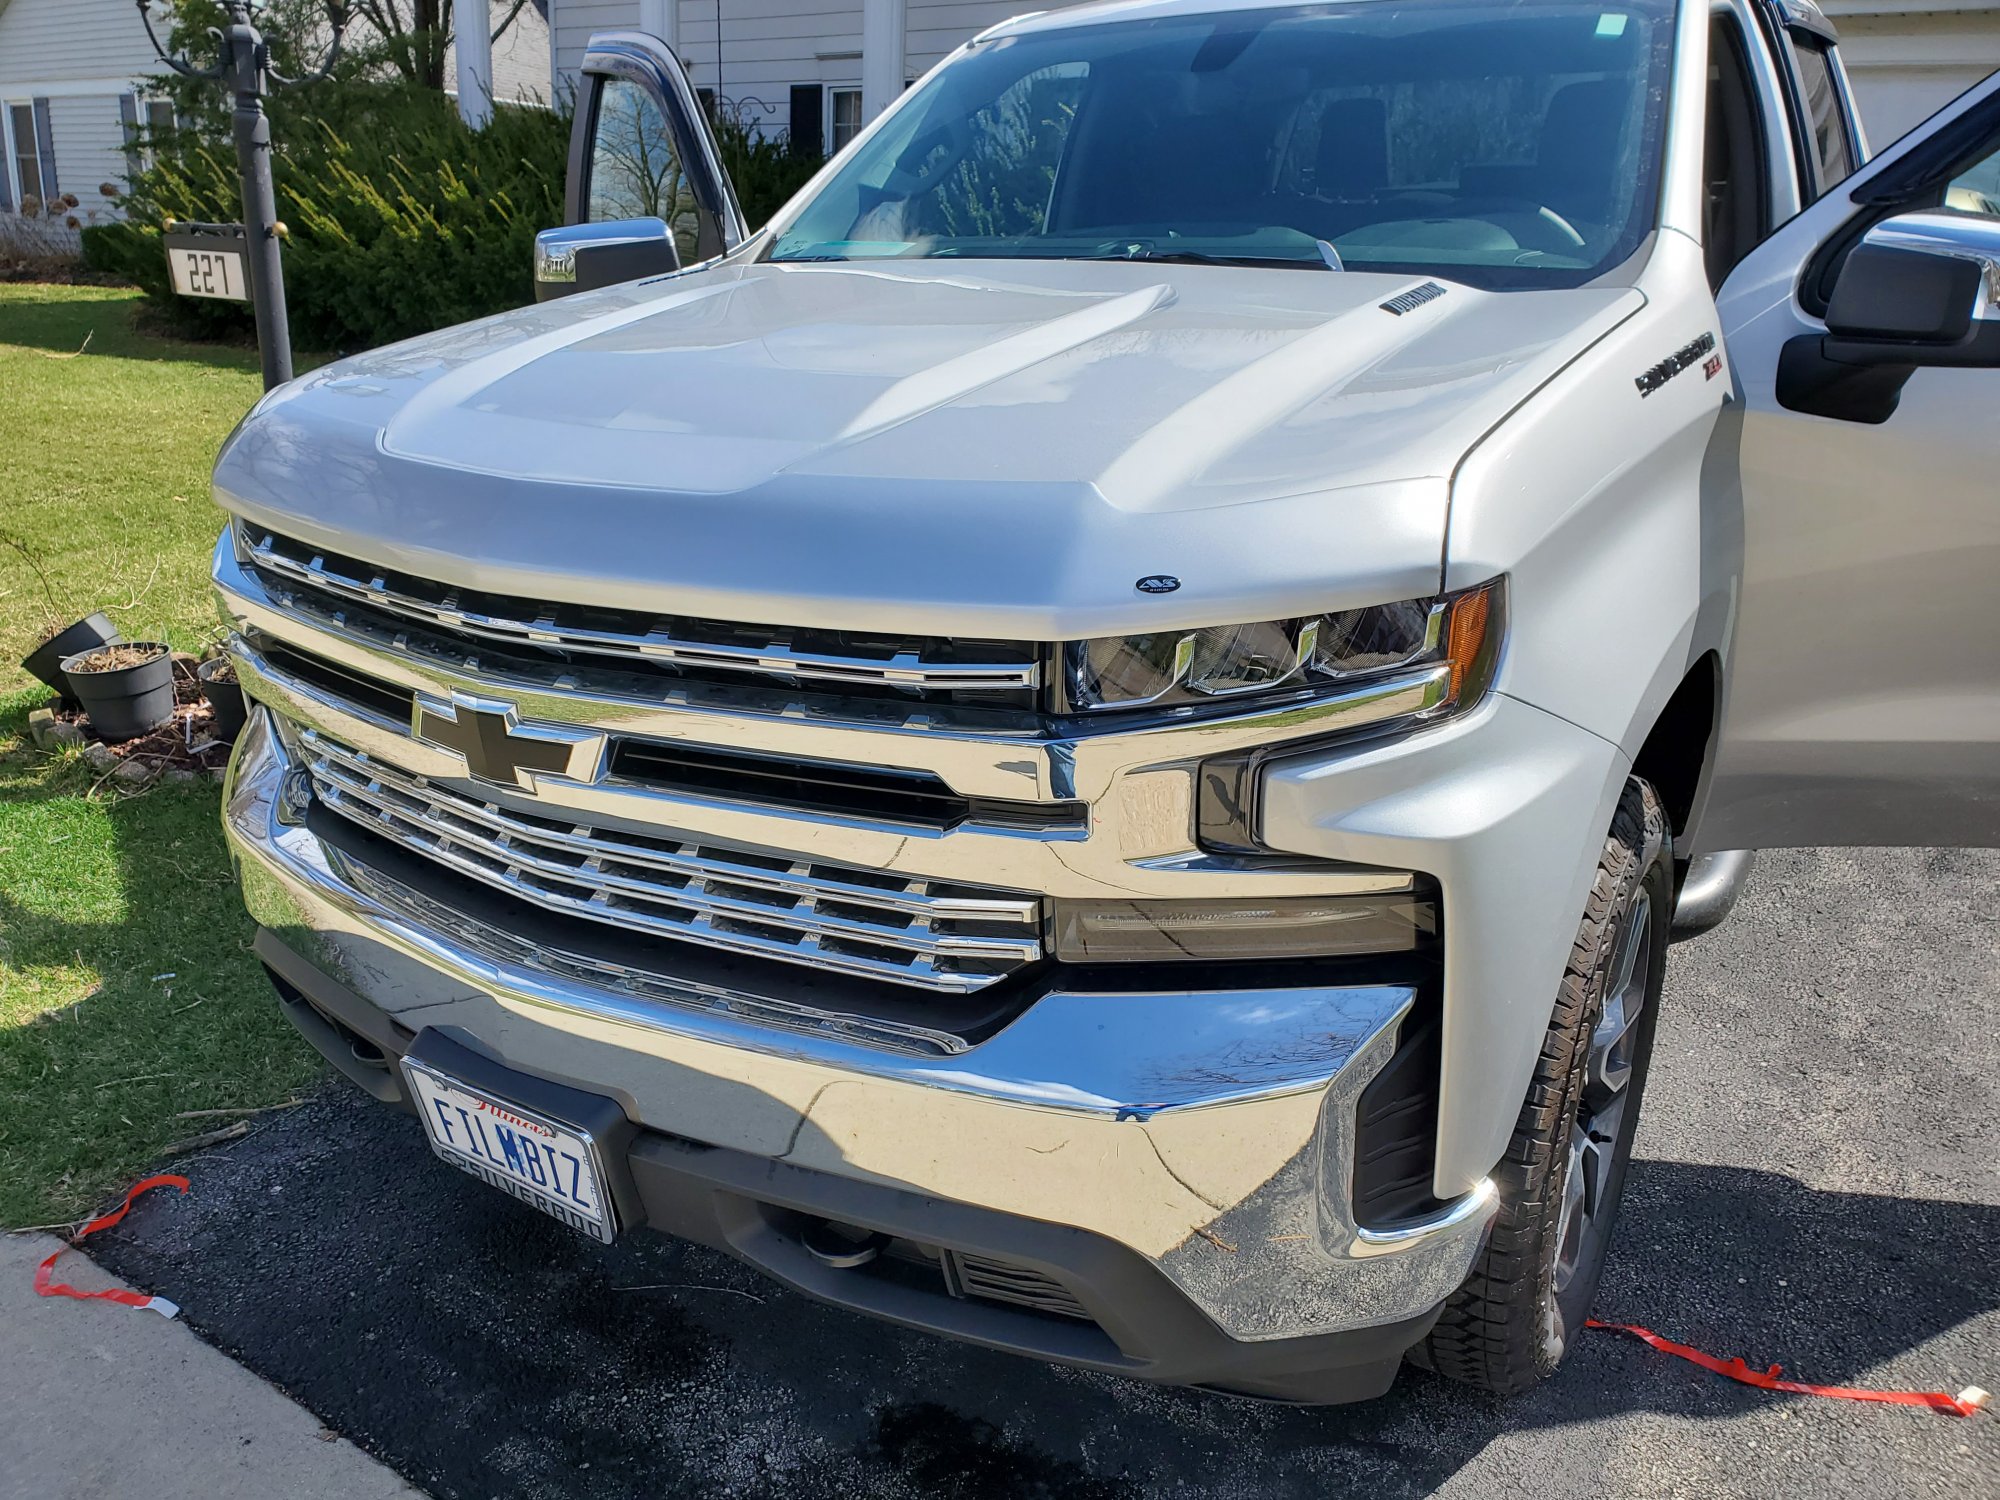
<point x="1157" y="583"/>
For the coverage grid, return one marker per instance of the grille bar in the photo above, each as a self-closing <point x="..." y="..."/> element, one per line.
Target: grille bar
<point x="673" y="640"/>
<point x="916" y="932"/>
<point x="665" y="990"/>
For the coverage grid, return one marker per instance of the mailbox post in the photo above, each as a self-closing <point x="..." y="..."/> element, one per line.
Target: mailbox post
<point x="244" y="67"/>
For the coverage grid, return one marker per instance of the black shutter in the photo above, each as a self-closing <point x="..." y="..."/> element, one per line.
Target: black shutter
<point x="706" y="98"/>
<point x="808" y="129"/>
<point x="128" y="117"/>
<point x="45" y="146"/>
<point x="7" y="166"/>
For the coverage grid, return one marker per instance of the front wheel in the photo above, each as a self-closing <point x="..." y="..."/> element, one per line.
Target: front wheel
<point x="1511" y="1322"/>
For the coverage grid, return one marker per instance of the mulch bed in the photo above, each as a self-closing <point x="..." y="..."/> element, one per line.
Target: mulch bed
<point x="186" y="742"/>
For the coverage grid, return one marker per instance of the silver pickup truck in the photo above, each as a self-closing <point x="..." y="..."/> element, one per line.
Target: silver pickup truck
<point x="1091" y="740"/>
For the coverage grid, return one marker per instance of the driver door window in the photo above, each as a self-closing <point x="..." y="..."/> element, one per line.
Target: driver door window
<point x="1832" y="143"/>
<point x="636" y="170"/>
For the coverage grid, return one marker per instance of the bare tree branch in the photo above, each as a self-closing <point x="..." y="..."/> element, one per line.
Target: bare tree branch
<point x="512" y="14"/>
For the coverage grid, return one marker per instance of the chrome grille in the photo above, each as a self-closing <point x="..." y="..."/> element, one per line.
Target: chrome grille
<point x="638" y="638"/>
<point x="649" y="989"/>
<point x="928" y="934"/>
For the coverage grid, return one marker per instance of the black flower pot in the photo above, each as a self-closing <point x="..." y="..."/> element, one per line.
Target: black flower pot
<point x="85" y="636"/>
<point x="225" y="698"/>
<point x="124" y="702"/>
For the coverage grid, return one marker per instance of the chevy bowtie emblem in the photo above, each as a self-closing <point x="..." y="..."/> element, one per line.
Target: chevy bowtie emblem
<point x="498" y="747"/>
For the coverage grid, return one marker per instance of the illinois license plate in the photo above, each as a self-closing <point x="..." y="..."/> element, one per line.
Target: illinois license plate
<point x="543" y="1162"/>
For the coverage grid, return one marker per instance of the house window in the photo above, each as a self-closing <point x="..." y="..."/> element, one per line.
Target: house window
<point x="843" y="116"/>
<point x="159" y="116"/>
<point x="27" y="161"/>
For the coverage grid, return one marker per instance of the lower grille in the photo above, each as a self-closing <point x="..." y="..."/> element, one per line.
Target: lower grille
<point x="926" y="934"/>
<point x="993" y="1280"/>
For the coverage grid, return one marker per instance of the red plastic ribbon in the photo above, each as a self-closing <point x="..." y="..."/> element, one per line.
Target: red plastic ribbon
<point x="1964" y="1404"/>
<point x="47" y="1286"/>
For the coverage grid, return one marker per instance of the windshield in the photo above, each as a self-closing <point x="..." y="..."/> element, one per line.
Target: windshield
<point x="1505" y="146"/>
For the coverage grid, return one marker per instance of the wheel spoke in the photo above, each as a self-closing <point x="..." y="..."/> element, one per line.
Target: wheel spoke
<point x="1574" y="1223"/>
<point x="1610" y="1067"/>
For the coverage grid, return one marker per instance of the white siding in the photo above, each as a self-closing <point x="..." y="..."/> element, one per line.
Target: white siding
<point x="769" y="45"/>
<point x="937" y="28"/>
<point x="1907" y="60"/>
<point x="71" y="40"/>
<point x="572" y="22"/>
<point x="90" y="151"/>
<point x="81" y="55"/>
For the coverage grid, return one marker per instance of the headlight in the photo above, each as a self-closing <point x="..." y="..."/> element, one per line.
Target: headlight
<point x="1223" y="662"/>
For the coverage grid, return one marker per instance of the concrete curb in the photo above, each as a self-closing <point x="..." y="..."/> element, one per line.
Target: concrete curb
<point x="103" y="1401"/>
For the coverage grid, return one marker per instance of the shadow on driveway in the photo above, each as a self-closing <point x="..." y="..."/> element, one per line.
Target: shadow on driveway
<point x="484" y="1351"/>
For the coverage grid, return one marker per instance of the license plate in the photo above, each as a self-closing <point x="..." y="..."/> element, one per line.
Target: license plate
<point x="209" y="273"/>
<point x="543" y="1162"/>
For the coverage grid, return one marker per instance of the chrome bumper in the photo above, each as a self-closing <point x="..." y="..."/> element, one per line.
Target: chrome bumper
<point x="1210" y="1133"/>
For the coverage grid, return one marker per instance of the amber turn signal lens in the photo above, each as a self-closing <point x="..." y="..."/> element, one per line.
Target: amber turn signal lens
<point x="1465" y="635"/>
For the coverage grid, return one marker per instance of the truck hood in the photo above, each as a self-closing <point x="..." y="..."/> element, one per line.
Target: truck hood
<point x="997" y="449"/>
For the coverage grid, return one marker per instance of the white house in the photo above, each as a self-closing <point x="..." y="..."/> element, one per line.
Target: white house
<point x="823" y="67"/>
<point x="1909" y="57"/>
<point x="73" y="80"/>
<point x="73" y="72"/>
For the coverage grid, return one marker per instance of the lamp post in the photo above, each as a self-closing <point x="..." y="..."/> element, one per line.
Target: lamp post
<point x="243" y="66"/>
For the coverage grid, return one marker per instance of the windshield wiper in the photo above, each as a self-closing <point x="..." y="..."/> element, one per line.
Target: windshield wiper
<point x="1327" y="260"/>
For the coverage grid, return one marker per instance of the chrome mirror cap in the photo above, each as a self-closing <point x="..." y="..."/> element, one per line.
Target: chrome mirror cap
<point x="582" y="257"/>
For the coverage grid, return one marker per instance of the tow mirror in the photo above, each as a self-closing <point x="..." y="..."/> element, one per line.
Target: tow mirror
<point x="583" y="257"/>
<point x="1921" y="290"/>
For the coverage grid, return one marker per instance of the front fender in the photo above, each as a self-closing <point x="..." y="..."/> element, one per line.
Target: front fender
<point x="1506" y="808"/>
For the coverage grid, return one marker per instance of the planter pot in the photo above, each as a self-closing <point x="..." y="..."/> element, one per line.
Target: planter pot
<point x="226" y="698"/>
<point x="85" y="636"/>
<point x="124" y="702"/>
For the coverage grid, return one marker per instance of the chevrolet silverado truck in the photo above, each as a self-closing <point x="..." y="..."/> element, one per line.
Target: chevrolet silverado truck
<point x="1090" y="741"/>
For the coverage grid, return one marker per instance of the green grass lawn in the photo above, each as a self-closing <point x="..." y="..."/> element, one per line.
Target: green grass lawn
<point x="127" y="990"/>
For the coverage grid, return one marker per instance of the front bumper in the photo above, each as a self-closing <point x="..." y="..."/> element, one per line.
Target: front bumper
<point x="1180" y="1160"/>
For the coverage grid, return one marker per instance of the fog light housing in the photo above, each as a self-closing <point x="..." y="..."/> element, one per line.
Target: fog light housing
<point x="1108" y="932"/>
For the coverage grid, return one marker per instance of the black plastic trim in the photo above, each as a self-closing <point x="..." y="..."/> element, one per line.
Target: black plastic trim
<point x="1396" y="1123"/>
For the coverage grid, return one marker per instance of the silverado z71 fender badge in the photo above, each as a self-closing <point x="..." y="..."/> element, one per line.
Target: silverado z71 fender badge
<point x="1676" y="362"/>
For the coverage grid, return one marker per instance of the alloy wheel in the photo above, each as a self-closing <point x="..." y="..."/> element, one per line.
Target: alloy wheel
<point x="1601" y="1122"/>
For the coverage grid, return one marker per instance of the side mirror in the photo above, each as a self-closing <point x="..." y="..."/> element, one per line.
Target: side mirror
<point x="1921" y="290"/>
<point x="584" y="257"/>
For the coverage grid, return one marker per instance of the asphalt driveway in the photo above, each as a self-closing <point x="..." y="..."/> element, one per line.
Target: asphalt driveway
<point x="1817" y="1183"/>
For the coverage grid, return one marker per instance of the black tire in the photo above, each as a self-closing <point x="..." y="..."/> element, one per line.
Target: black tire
<point x="1531" y="1289"/>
